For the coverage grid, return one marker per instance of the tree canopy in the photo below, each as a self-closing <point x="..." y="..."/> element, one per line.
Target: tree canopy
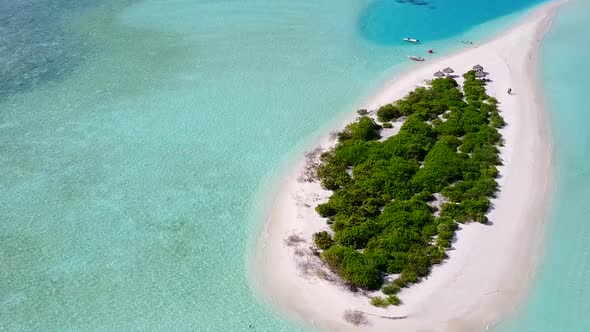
<point x="379" y="210"/>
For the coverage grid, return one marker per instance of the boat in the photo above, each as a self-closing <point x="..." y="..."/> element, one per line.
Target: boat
<point x="416" y="58"/>
<point x="412" y="40"/>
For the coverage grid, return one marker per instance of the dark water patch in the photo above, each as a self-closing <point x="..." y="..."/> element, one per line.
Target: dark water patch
<point x="36" y="46"/>
<point x="415" y="2"/>
<point x="388" y="21"/>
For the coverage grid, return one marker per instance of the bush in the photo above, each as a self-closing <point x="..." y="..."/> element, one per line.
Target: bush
<point x="390" y="289"/>
<point x="380" y="302"/>
<point x="425" y="196"/>
<point x="409" y="276"/>
<point x="363" y="129"/>
<point x="406" y="278"/>
<point x="334" y="256"/>
<point x="388" y="112"/>
<point x="323" y="240"/>
<point x="467" y="210"/>
<point x="357" y="271"/>
<point x="408" y="146"/>
<point x="474" y="189"/>
<point x="415" y="126"/>
<point x="352" y="267"/>
<point x="453" y="126"/>
<point x="350" y="153"/>
<point x="442" y="165"/>
<point x="332" y="171"/>
<point x="357" y="236"/>
<point x="393" y="300"/>
<point x="325" y="210"/>
<point x="496" y="120"/>
<point x="444" y="84"/>
<point x="387" y="125"/>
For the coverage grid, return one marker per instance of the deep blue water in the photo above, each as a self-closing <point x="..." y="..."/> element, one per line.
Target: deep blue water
<point x="388" y="21"/>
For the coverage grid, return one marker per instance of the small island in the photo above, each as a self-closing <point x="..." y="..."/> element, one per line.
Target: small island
<point x="396" y="202"/>
<point x="383" y="225"/>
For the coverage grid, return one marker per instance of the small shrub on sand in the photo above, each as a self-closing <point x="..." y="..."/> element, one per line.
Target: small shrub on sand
<point x="393" y="300"/>
<point x="380" y="302"/>
<point x="323" y="240"/>
<point x="406" y="278"/>
<point x="390" y="289"/>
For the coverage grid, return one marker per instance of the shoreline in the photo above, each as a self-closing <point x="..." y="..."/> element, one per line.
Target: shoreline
<point x="481" y="269"/>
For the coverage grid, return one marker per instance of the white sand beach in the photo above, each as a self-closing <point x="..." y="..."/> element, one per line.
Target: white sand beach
<point x="490" y="266"/>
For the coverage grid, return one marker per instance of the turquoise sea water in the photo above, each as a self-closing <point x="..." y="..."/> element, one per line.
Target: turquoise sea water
<point x="135" y="137"/>
<point x="560" y="295"/>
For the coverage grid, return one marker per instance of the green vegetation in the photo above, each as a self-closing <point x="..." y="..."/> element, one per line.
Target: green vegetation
<point x="323" y="240"/>
<point x="390" y="289"/>
<point x="393" y="300"/>
<point x="379" y="210"/>
<point x="381" y="302"/>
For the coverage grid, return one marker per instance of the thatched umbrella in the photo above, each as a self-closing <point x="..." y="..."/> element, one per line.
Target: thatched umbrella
<point x="480" y="74"/>
<point x="448" y="70"/>
<point x="477" y="67"/>
<point x="439" y="74"/>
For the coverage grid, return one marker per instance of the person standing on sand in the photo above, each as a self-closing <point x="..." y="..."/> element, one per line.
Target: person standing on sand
<point x="509" y="91"/>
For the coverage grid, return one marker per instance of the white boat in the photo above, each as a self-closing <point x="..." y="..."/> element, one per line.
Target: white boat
<point x="412" y="40"/>
<point x="415" y="58"/>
